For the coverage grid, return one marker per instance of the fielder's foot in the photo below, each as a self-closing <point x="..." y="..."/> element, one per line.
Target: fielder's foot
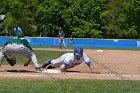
<point x="48" y="62"/>
<point x="38" y="70"/>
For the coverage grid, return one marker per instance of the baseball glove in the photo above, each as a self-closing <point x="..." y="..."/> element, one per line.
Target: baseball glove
<point x="11" y="60"/>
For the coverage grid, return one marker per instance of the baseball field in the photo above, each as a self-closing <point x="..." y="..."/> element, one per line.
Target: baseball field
<point x="116" y="71"/>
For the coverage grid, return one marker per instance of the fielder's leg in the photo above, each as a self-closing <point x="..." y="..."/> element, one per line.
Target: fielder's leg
<point x="28" y="62"/>
<point x="1" y="57"/>
<point x="34" y="60"/>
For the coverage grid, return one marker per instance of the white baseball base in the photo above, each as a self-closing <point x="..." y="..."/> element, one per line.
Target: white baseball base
<point x="99" y="50"/>
<point x="53" y="71"/>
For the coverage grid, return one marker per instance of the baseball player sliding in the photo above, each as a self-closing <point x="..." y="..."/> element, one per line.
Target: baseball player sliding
<point x="69" y="60"/>
<point x="21" y="47"/>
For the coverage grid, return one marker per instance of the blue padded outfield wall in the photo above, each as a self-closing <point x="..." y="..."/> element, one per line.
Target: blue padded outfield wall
<point x="85" y="43"/>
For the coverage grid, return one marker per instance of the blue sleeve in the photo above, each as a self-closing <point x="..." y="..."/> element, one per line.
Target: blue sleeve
<point x="20" y="29"/>
<point x="65" y="64"/>
<point x="88" y="62"/>
<point x="15" y="30"/>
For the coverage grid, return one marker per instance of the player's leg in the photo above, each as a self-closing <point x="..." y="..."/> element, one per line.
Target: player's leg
<point x="71" y="42"/>
<point x="64" y="44"/>
<point x="34" y="60"/>
<point x="28" y="62"/>
<point x="53" y="63"/>
<point x="60" y="41"/>
<point x="26" y="52"/>
<point x="1" y="57"/>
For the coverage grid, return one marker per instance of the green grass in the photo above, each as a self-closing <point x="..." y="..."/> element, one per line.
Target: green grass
<point x="42" y="56"/>
<point x="67" y="86"/>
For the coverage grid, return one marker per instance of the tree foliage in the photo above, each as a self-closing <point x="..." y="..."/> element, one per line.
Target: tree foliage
<point x="82" y="18"/>
<point x="125" y="19"/>
<point x="18" y="12"/>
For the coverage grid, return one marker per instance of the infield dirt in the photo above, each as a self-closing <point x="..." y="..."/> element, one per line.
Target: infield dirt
<point x="109" y="64"/>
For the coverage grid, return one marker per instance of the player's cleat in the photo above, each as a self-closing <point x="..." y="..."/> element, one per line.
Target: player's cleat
<point x="50" y="66"/>
<point x="46" y="63"/>
<point x="38" y="70"/>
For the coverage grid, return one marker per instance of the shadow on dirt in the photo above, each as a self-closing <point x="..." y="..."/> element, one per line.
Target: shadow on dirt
<point x="72" y="71"/>
<point x="19" y="71"/>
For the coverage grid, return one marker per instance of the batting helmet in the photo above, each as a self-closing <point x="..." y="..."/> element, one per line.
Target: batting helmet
<point x="78" y="51"/>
